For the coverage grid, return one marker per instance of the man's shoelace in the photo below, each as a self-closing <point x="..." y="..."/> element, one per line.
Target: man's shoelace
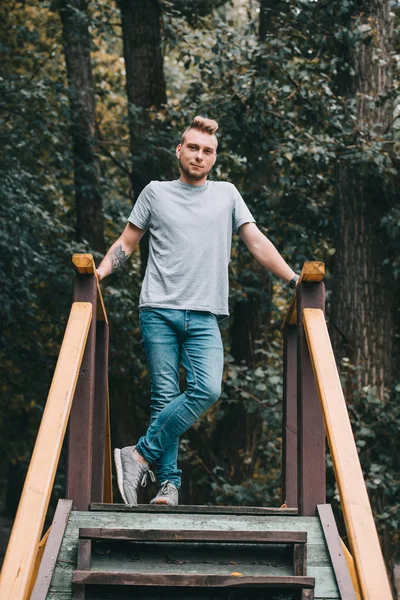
<point x="150" y="473"/>
<point x="167" y="489"/>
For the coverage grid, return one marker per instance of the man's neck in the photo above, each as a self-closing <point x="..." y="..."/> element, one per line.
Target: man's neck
<point x="195" y="182"/>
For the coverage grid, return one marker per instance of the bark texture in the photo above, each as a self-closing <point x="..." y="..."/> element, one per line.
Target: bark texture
<point x="145" y="87"/>
<point x="89" y="203"/>
<point x="363" y="295"/>
<point x="269" y="11"/>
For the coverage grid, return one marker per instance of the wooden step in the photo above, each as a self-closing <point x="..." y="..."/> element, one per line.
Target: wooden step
<point x="160" y="535"/>
<point x="188" y="580"/>
<point x="196" y="510"/>
<point x="84" y="575"/>
<point x="146" y="557"/>
<point x="296" y="539"/>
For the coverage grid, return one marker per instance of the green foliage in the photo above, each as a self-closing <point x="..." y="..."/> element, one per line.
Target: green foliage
<point x="284" y="127"/>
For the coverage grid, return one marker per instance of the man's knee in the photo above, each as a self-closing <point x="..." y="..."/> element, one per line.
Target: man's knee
<point x="212" y="390"/>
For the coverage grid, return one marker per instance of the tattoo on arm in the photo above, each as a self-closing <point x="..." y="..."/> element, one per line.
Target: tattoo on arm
<point x="118" y="257"/>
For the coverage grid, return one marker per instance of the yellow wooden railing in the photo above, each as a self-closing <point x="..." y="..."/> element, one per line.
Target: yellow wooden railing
<point x="24" y="551"/>
<point x="363" y="537"/>
<point x="19" y="562"/>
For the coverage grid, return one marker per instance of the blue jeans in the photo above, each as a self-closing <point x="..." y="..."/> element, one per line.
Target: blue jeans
<point x="171" y="337"/>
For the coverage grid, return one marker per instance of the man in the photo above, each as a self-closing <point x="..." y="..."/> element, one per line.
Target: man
<point x="184" y="294"/>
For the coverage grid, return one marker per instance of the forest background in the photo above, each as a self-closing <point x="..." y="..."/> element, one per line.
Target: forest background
<point x="93" y="99"/>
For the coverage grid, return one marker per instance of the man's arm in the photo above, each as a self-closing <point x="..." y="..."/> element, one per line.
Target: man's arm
<point x="264" y="251"/>
<point x="120" y="251"/>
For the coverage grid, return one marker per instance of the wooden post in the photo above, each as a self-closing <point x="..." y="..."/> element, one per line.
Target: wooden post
<point x="108" y="488"/>
<point x="99" y="417"/>
<point x="289" y="433"/>
<point x="80" y="438"/>
<point x="310" y="424"/>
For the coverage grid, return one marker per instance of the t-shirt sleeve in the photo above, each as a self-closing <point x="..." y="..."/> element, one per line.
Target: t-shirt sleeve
<point x="141" y="211"/>
<point x="240" y="214"/>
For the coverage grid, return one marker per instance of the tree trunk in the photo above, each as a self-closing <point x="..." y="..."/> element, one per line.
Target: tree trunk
<point x="89" y="202"/>
<point x="269" y="11"/>
<point x="145" y="86"/>
<point x="362" y="315"/>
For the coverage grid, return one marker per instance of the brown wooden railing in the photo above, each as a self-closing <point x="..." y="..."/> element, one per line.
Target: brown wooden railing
<point x="303" y="468"/>
<point x="78" y="394"/>
<point x="313" y="403"/>
<point x="87" y="478"/>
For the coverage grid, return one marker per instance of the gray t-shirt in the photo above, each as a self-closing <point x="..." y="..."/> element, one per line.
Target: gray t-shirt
<point x="190" y="243"/>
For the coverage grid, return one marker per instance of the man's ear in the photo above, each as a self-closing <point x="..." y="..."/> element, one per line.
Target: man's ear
<point x="178" y="150"/>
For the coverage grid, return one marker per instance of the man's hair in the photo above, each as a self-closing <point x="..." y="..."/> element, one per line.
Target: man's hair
<point x="201" y="124"/>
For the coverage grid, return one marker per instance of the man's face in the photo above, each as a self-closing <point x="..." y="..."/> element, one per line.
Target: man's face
<point x="196" y="156"/>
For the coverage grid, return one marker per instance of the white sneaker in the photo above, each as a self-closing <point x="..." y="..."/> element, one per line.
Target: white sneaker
<point x="167" y="494"/>
<point x="130" y="474"/>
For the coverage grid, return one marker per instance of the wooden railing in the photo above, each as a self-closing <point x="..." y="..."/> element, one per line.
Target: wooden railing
<point x="314" y="403"/>
<point x="303" y="465"/>
<point x="89" y="450"/>
<point x="359" y="521"/>
<point x="78" y="394"/>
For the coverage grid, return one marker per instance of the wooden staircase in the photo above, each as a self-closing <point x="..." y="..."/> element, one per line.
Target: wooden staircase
<point x="192" y="552"/>
<point x="107" y="551"/>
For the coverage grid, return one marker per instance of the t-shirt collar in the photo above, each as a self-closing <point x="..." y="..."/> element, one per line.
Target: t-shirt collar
<point x="189" y="186"/>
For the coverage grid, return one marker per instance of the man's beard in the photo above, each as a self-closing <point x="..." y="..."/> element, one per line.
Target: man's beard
<point x="195" y="176"/>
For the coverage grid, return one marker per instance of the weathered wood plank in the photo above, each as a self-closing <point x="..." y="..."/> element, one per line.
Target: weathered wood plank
<point x="312" y="271"/>
<point x="310" y="428"/>
<point x="100" y="592"/>
<point x="99" y="410"/>
<point x="173" y="521"/>
<point x="317" y="558"/>
<point x="179" y="535"/>
<point x="325" y="582"/>
<point x="80" y="431"/>
<point x="352" y="570"/>
<point x="19" y="560"/>
<point x="38" y="560"/>
<point x="289" y="421"/>
<point x="84" y="265"/>
<point x="299" y="559"/>
<point x="360" y="525"/>
<point x="335" y="550"/>
<point x="84" y="563"/>
<point x="84" y="555"/>
<point x="194" y="509"/>
<point x="221" y="559"/>
<point x="108" y="489"/>
<point x="52" y="550"/>
<point x="177" y="580"/>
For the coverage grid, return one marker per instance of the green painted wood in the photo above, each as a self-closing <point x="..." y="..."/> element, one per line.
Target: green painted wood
<point x="195" y="509"/>
<point x="268" y="559"/>
<point x="317" y="557"/>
